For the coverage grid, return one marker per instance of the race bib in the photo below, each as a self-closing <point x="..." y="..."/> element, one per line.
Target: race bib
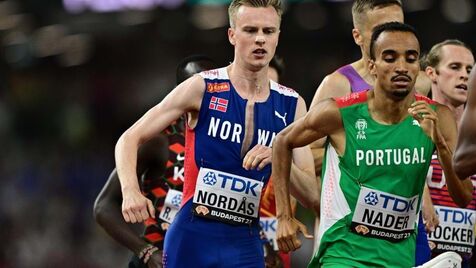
<point x="171" y="205"/>
<point x="269" y="226"/>
<point x="455" y="231"/>
<point x="385" y="216"/>
<point x="226" y="197"/>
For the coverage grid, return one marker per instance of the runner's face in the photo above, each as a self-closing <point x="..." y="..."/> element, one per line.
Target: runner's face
<point x="396" y="64"/>
<point x="255" y="35"/>
<point x="451" y="74"/>
<point x="377" y="17"/>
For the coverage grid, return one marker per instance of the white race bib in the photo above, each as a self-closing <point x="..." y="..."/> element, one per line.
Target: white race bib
<point x="269" y="225"/>
<point x="171" y="205"/>
<point x="226" y="197"/>
<point x="385" y="216"/>
<point x="455" y="231"/>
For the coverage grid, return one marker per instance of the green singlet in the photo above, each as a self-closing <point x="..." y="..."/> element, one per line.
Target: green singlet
<point x="371" y="194"/>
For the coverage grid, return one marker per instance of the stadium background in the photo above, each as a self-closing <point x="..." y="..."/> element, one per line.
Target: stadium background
<point x="76" y="73"/>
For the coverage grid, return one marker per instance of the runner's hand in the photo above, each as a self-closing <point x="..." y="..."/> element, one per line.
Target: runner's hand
<point x="271" y="257"/>
<point x="136" y="207"/>
<point x="426" y="117"/>
<point x="430" y="218"/>
<point x="155" y="260"/>
<point x="258" y="157"/>
<point x="288" y="229"/>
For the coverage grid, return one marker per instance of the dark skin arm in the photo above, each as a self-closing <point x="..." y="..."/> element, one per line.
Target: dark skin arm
<point x="107" y="207"/>
<point x="465" y="155"/>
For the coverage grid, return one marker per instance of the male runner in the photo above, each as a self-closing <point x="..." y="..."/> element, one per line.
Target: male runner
<point x="448" y="65"/>
<point x="356" y="77"/>
<point x="160" y="170"/>
<point x="373" y="174"/>
<point x="273" y="256"/>
<point x="232" y="119"/>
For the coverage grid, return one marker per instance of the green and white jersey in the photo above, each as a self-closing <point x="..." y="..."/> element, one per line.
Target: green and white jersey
<point x="371" y="195"/>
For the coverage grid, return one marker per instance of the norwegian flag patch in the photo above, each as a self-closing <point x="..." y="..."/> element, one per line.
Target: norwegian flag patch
<point x="218" y="104"/>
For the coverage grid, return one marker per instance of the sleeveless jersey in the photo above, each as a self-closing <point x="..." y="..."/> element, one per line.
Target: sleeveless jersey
<point x="456" y="229"/>
<point x="158" y="189"/>
<point x="357" y="83"/>
<point x="371" y="194"/>
<point x="213" y="147"/>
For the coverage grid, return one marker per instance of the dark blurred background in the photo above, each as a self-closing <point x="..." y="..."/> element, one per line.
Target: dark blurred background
<point x="76" y="73"/>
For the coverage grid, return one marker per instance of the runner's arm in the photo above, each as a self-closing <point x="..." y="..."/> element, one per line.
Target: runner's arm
<point x="304" y="185"/>
<point x="107" y="207"/>
<point x="186" y="97"/>
<point x="321" y="121"/>
<point x="461" y="191"/>
<point x="332" y="86"/>
<point x="465" y="155"/>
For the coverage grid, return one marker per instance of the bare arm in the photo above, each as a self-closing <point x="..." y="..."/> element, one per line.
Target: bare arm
<point x="465" y="155"/>
<point x="107" y="207"/>
<point x="304" y="185"/>
<point x="441" y="127"/>
<point x="333" y="86"/>
<point x="186" y="97"/>
<point x="430" y="218"/>
<point x="461" y="191"/>
<point x="107" y="213"/>
<point x="321" y="121"/>
<point x="423" y="84"/>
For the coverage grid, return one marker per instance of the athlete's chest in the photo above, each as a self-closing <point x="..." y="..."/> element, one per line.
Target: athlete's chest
<point x="375" y="144"/>
<point x="231" y="119"/>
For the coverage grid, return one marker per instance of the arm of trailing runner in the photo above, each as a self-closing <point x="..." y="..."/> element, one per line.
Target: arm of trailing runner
<point x="107" y="207"/>
<point x="444" y="135"/>
<point x="304" y="186"/>
<point x="306" y="189"/>
<point x="464" y="158"/>
<point x="461" y="191"/>
<point x="107" y="213"/>
<point x="323" y="120"/>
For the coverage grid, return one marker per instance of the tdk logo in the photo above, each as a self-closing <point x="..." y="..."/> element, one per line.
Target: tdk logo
<point x="371" y="199"/>
<point x="269" y="226"/>
<point x="397" y="204"/>
<point x="210" y="178"/>
<point x="176" y="200"/>
<point x="455" y="215"/>
<point x="238" y="185"/>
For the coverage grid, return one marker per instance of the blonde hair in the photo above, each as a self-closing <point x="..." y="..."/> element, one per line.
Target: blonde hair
<point x="361" y="7"/>
<point x="236" y="4"/>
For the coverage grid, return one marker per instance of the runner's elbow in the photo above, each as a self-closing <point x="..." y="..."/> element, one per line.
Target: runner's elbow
<point x="282" y="141"/>
<point x="99" y="210"/>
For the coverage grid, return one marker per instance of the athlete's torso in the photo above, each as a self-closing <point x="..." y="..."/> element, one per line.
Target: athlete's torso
<point x="456" y="229"/>
<point x="371" y="195"/>
<point x="215" y="143"/>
